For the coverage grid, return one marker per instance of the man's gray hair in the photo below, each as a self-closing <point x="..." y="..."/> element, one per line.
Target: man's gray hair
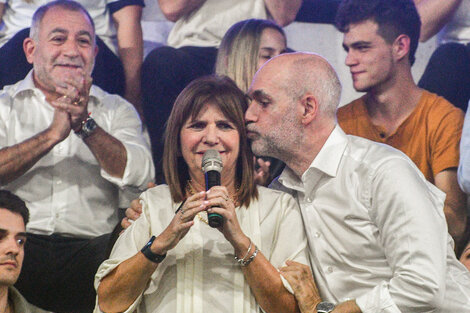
<point x="317" y="76"/>
<point x="64" y="4"/>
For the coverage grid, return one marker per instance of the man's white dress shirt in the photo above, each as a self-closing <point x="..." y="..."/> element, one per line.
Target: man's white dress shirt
<point x="376" y="230"/>
<point x="66" y="191"/>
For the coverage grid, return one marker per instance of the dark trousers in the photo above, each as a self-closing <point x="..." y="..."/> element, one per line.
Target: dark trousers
<point x="58" y="272"/>
<point x="165" y="73"/>
<point x="107" y="74"/>
<point x="448" y="74"/>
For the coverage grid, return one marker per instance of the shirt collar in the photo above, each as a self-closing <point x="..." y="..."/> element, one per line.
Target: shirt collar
<point x="326" y="162"/>
<point x="27" y="84"/>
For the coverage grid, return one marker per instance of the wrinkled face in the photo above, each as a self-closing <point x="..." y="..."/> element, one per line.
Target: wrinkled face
<point x="465" y="257"/>
<point x="12" y="239"/>
<point x="65" y="47"/>
<point x="210" y="130"/>
<point x="271" y="116"/>
<point x="369" y="56"/>
<point x="272" y="43"/>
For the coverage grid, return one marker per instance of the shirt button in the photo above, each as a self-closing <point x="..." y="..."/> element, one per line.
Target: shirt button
<point x="329" y="269"/>
<point x="57" y="215"/>
<point x="317" y="234"/>
<point x="309" y="199"/>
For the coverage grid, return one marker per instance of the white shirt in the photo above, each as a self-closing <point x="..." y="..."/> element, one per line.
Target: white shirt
<point x="376" y="230"/>
<point x="200" y="273"/>
<point x="66" y="191"/>
<point x="18" y="15"/>
<point x="463" y="173"/>
<point x="206" y="26"/>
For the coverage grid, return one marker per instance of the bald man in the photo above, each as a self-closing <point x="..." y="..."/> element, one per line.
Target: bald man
<point x="376" y="227"/>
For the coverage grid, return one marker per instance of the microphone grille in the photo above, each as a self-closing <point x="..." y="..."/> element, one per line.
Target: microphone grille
<point x="211" y="161"/>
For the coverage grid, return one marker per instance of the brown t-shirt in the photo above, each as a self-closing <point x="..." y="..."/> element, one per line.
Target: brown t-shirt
<point x="430" y="136"/>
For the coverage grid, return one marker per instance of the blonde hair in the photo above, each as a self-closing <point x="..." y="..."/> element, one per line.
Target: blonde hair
<point x="237" y="57"/>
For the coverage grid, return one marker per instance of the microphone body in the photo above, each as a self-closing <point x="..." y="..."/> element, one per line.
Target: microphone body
<point x="212" y="166"/>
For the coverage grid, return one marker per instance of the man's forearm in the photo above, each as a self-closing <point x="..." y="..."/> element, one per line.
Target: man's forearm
<point x="108" y="151"/>
<point x="434" y="15"/>
<point x="130" y="46"/>
<point x="283" y="11"/>
<point x="17" y="159"/>
<point x="175" y="9"/>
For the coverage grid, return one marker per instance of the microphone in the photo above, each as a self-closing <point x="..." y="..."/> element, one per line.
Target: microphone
<point x="212" y="166"/>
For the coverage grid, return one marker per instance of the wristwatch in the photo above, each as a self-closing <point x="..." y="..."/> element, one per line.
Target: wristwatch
<point x="87" y="128"/>
<point x="325" y="307"/>
<point x="156" y="258"/>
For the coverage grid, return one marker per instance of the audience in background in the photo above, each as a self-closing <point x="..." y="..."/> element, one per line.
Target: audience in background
<point x="381" y="38"/>
<point x="14" y="216"/>
<point x="377" y="235"/>
<point x="67" y="148"/>
<point x="448" y="71"/>
<point x="119" y="38"/>
<point x="192" y="49"/>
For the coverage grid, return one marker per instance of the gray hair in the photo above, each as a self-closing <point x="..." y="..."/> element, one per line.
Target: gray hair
<point x="64" y="4"/>
<point x="317" y="76"/>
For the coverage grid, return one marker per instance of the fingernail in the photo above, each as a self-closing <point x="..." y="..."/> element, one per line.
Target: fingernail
<point x="206" y="202"/>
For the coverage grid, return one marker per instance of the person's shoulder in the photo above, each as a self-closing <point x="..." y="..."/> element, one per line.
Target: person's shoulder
<point x="273" y="194"/>
<point x="159" y="192"/>
<point x="21" y="304"/>
<point x="370" y="154"/>
<point x="438" y="113"/>
<point x="434" y="104"/>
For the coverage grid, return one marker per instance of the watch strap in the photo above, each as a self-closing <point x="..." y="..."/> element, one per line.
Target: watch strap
<point x="87" y="127"/>
<point x="156" y="258"/>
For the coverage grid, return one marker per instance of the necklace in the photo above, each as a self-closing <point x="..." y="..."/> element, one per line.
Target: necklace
<point x="190" y="191"/>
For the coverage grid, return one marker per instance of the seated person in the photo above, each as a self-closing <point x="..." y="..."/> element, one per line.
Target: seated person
<point x="187" y="266"/>
<point x="380" y="38"/>
<point x="67" y="148"/>
<point x="448" y="71"/>
<point x="14" y="216"/>
<point x="119" y="38"/>
<point x="192" y="49"/>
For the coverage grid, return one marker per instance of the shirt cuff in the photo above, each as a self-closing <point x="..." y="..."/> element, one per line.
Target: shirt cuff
<point x="139" y="169"/>
<point x="377" y="300"/>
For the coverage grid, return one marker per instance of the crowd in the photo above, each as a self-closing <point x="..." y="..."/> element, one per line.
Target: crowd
<point x="366" y="204"/>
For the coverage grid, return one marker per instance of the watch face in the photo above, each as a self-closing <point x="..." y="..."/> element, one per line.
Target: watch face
<point x="325" y="307"/>
<point x="90" y="125"/>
